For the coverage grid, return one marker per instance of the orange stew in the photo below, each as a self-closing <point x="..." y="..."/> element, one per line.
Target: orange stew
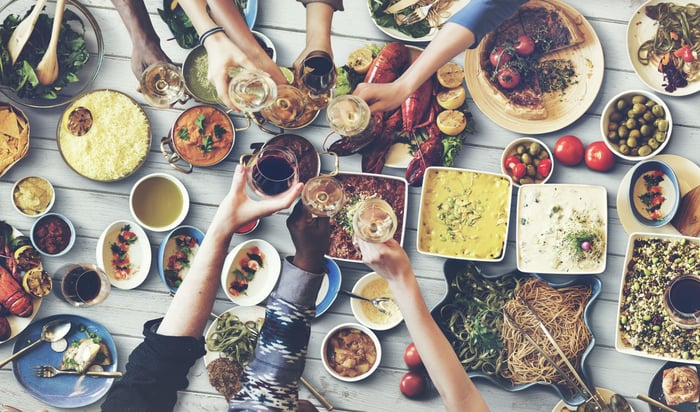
<point x="203" y="135"/>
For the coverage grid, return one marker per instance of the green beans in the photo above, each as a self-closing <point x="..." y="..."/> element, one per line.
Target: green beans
<point x="637" y="126"/>
<point x="234" y="338"/>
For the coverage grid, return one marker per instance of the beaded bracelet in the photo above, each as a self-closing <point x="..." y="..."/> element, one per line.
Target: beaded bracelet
<point x="209" y="33"/>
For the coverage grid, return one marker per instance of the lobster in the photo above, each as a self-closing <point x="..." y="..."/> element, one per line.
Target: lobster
<point x="373" y="156"/>
<point x="389" y="64"/>
<point x="348" y="145"/>
<point x="12" y="297"/>
<point x="415" y="107"/>
<point x="429" y="153"/>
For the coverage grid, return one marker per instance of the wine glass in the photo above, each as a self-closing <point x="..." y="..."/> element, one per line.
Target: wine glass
<point x="272" y="171"/>
<point x="323" y="196"/>
<point x="162" y="84"/>
<point x="348" y="115"/>
<point x="317" y="77"/>
<point x="287" y="108"/>
<point x="251" y="90"/>
<point x="374" y="221"/>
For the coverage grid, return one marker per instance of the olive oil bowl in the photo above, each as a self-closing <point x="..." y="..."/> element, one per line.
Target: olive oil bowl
<point x="159" y="202"/>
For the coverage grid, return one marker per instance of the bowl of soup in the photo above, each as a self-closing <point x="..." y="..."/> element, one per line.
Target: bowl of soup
<point x="351" y="352"/>
<point x="159" y="202"/>
<point x="373" y="286"/>
<point x="654" y="193"/>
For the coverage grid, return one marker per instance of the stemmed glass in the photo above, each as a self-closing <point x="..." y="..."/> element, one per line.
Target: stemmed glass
<point x="374" y="221"/>
<point x="323" y="196"/>
<point x="162" y="84"/>
<point x="251" y="90"/>
<point x="317" y="77"/>
<point x="272" y="171"/>
<point x="349" y="116"/>
<point x="287" y="108"/>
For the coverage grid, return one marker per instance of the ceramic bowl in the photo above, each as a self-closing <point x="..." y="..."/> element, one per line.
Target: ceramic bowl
<point x="250" y="272"/>
<point x="44" y="236"/>
<point x="654" y="193"/>
<point x="327" y="350"/>
<point x="618" y="116"/>
<point x="527" y="151"/>
<point x="36" y="194"/>
<point x="266" y="44"/>
<point x="132" y="241"/>
<point x="172" y="269"/>
<point x="372" y="285"/>
<point x="156" y="194"/>
<point x="330" y="286"/>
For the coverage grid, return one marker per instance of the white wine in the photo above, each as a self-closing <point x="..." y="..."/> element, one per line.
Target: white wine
<point x="287" y="108"/>
<point x="323" y="196"/>
<point x="374" y="221"/>
<point x="162" y="84"/>
<point x="251" y="91"/>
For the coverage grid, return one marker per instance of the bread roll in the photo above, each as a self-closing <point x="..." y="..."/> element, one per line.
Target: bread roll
<point x="687" y="219"/>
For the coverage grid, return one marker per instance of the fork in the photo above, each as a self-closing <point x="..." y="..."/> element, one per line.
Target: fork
<point x="48" y="371"/>
<point x="416" y="15"/>
<point x="376" y="302"/>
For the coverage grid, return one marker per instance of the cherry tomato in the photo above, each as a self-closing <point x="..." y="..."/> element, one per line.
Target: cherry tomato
<point x="519" y="170"/>
<point x="569" y="150"/>
<point x="499" y="56"/>
<point x="412" y="358"/>
<point x="413" y="385"/>
<point x="524" y="46"/>
<point x="510" y="162"/>
<point x="599" y="157"/>
<point x="508" y="78"/>
<point x="545" y="167"/>
<point x="685" y="53"/>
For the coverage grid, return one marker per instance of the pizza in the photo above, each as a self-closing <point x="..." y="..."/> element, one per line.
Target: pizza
<point x="552" y="30"/>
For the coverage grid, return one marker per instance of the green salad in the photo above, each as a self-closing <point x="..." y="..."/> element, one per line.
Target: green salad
<point x="417" y="30"/>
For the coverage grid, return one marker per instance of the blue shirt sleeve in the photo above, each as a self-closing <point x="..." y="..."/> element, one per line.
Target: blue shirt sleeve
<point x="482" y="16"/>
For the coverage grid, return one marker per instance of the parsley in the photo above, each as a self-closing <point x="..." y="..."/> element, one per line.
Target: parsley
<point x="206" y="145"/>
<point x="199" y="122"/>
<point x="183" y="134"/>
<point x="219" y="131"/>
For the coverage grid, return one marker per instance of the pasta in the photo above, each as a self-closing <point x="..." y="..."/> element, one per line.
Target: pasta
<point x="439" y="13"/>
<point x="233" y="338"/>
<point x="684" y="21"/>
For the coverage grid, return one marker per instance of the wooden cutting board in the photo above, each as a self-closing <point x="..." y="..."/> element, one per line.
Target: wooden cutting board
<point x="687" y="219"/>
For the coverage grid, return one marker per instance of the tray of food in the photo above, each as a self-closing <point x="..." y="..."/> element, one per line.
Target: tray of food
<point x="473" y="306"/>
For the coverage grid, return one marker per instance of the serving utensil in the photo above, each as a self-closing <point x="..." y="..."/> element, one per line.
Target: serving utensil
<point x="376" y="302"/>
<point x="23" y="31"/>
<point x="417" y="15"/>
<point x="317" y="394"/>
<point x="400" y="5"/>
<point x="51" y="332"/>
<point x="655" y="403"/>
<point x="48" y="371"/>
<point x="47" y="69"/>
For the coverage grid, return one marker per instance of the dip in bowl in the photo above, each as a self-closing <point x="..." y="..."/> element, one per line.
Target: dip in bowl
<point x="33" y="196"/>
<point x="52" y="234"/>
<point x="159" y="202"/>
<point x="374" y="286"/>
<point x="175" y="254"/>
<point x="351" y="344"/>
<point x="654" y="193"/>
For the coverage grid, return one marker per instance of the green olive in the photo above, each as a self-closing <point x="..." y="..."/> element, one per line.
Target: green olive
<point x="623" y="131"/>
<point x="520" y="149"/>
<point x="660" y="136"/>
<point x="543" y="155"/>
<point x="658" y="110"/>
<point x="631" y="123"/>
<point x="638" y="109"/>
<point x="646" y="130"/>
<point x="649" y="116"/>
<point x="653" y="143"/>
<point x="644" y="150"/>
<point x="526" y="158"/>
<point x="662" y="125"/>
<point x="534" y="148"/>
<point x="613" y="126"/>
<point x="621" y="105"/>
<point x="636" y="134"/>
<point x="531" y="170"/>
<point x="631" y="142"/>
<point x="624" y="149"/>
<point x="612" y="135"/>
<point x="650" y="104"/>
<point x="638" y="99"/>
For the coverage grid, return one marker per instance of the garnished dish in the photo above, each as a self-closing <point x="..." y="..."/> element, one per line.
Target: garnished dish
<point x="357" y="187"/>
<point x="33" y="195"/>
<point x="88" y="346"/>
<point x="464" y="214"/>
<point x="244" y="270"/>
<point x="124" y="253"/>
<point x="644" y="326"/>
<point x="539" y="71"/>
<point x="471" y="315"/>
<point x="562" y="229"/>
<point x="250" y="272"/>
<point x="527" y="160"/>
<point x="389" y="16"/>
<point x="662" y="44"/>
<point x="202" y="135"/>
<point x="350" y="352"/>
<point x="91" y="135"/>
<point x="654" y="193"/>
<point x="676" y="385"/>
<point x="179" y="251"/>
<point x="194" y="73"/>
<point x="14" y="136"/>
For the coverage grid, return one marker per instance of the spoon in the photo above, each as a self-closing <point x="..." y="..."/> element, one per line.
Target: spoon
<point x="23" y="31"/>
<point x="47" y="69"/>
<point x="51" y="332"/>
<point x="376" y="302"/>
<point x="618" y="403"/>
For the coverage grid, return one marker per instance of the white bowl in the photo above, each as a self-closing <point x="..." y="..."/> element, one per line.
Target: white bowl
<point x="511" y="150"/>
<point x="325" y="353"/>
<point x="268" y="43"/>
<point x="19" y="185"/>
<point x="370" y="286"/>
<point x="263" y="280"/>
<point x="153" y="195"/>
<point x="610" y="108"/>
<point x="138" y="252"/>
<point x="39" y="222"/>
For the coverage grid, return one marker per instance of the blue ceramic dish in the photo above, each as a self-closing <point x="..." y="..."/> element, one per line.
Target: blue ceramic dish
<point x="454" y="267"/>
<point x="641" y="195"/>
<point x="332" y="281"/>
<point x="42" y="220"/>
<point x="165" y="250"/>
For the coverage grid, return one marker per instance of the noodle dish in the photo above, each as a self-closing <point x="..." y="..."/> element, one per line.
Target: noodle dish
<point x="471" y="315"/>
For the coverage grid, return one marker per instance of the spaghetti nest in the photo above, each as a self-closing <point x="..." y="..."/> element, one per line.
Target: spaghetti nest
<point x="561" y="311"/>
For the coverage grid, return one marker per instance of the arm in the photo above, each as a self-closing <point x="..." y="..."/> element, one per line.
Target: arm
<point x="457" y="391"/>
<point x="319" y="16"/>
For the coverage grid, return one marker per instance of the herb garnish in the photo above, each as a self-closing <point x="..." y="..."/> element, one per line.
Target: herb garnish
<point x="219" y="131"/>
<point x="199" y="122"/>
<point x="206" y="145"/>
<point x="183" y="134"/>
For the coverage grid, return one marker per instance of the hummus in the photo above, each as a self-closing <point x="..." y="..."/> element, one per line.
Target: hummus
<point x="203" y="135"/>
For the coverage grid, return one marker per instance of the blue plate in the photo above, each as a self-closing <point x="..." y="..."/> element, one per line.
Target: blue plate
<point x="329" y="287"/>
<point x="61" y="391"/>
<point x="657" y="392"/>
<point x="453" y="267"/>
<point x="162" y="258"/>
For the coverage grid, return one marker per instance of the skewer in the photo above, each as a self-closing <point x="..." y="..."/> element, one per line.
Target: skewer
<point x="655" y="403"/>
<point x="317" y="394"/>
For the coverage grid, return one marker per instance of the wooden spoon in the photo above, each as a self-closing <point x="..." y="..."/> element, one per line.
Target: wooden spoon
<point x="23" y="31"/>
<point x="47" y="69"/>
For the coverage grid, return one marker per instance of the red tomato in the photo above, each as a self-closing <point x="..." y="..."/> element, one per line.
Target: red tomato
<point x="544" y="167"/>
<point x="524" y="46"/>
<point x="685" y="53"/>
<point x="508" y="78"/>
<point x="499" y="56"/>
<point x="569" y="150"/>
<point x="510" y="162"/>
<point x="599" y="157"/>
<point x="413" y="385"/>
<point x="519" y="170"/>
<point x="412" y="358"/>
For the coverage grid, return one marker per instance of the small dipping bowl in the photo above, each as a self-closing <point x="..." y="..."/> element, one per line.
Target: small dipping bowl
<point x="33" y="196"/>
<point x="159" y="202"/>
<point x="364" y="367"/>
<point x="266" y="44"/>
<point x="372" y="286"/>
<point x="248" y="227"/>
<point x="168" y="248"/>
<point x="681" y="301"/>
<point x="520" y="151"/>
<point x="52" y="234"/>
<point x="654" y="193"/>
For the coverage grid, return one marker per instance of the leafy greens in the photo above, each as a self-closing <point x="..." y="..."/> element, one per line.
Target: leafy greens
<point x="180" y="25"/>
<point x="377" y="7"/>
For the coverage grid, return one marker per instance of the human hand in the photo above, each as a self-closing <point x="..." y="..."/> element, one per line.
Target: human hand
<point x="144" y="55"/>
<point x="388" y="259"/>
<point x="382" y="97"/>
<point x="310" y="236"/>
<point x="223" y="55"/>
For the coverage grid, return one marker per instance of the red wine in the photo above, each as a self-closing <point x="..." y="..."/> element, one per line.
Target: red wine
<point x="81" y="285"/>
<point x="318" y="73"/>
<point x="273" y="175"/>
<point x="684" y="295"/>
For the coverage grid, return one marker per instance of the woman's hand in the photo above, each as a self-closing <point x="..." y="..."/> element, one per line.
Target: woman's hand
<point x="382" y="97"/>
<point x="388" y="259"/>
<point x="224" y="55"/>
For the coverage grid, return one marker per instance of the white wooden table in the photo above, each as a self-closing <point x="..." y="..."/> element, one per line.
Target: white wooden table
<point x="92" y="206"/>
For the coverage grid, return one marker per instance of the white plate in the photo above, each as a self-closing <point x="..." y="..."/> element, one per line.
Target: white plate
<point x="245" y="314"/>
<point x="394" y="33"/>
<point x="139" y="254"/>
<point x="542" y="238"/>
<point x="688" y="174"/>
<point x="265" y="278"/>
<point x="640" y="29"/>
<point x="606" y="394"/>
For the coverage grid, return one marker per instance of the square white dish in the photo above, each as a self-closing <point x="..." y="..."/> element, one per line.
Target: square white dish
<point x="562" y="229"/>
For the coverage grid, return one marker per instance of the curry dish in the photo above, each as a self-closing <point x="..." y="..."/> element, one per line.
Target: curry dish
<point x="350" y="352"/>
<point x="203" y="135"/>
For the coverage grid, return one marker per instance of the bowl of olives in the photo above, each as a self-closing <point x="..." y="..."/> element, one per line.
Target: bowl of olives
<point x="527" y="160"/>
<point x="636" y="125"/>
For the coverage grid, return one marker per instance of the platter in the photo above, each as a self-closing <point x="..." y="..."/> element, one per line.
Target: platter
<point x="640" y="29"/>
<point x="453" y="8"/>
<point x="137" y="254"/>
<point x="19" y="324"/>
<point x="465" y="269"/>
<point x="94" y="43"/>
<point x="656" y="392"/>
<point x="562" y="110"/>
<point x="645" y="276"/>
<point x="554" y="224"/>
<point x="255" y="280"/>
<point x="245" y="314"/>
<point x="688" y="174"/>
<point x="606" y="394"/>
<point x="64" y="391"/>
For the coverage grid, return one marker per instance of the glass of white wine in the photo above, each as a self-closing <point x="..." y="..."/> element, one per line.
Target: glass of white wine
<point x="374" y="221"/>
<point x="162" y="84"/>
<point x="287" y="108"/>
<point x="348" y="115"/>
<point x="251" y="90"/>
<point x="323" y="196"/>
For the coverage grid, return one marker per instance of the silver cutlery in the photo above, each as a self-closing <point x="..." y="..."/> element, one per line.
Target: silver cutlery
<point x="48" y="371"/>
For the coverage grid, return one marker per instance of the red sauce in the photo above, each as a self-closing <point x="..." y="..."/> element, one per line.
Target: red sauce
<point x="52" y="235"/>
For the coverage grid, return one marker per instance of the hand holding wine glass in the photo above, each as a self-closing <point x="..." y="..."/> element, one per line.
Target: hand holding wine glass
<point x="317" y="76"/>
<point x="323" y="196"/>
<point x="162" y="84"/>
<point x="374" y="221"/>
<point x="251" y="90"/>
<point x="272" y="171"/>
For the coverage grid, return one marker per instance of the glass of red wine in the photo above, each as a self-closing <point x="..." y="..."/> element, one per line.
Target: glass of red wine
<point x="272" y="171"/>
<point x="317" y="76"/>
<point x="83" y="284"/>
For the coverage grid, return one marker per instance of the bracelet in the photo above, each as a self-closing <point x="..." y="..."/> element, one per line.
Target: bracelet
<point x="209" y="33"/>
